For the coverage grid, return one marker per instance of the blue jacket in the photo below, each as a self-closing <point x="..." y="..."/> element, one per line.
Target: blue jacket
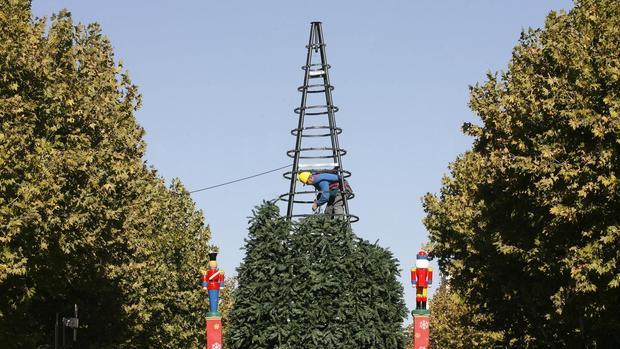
<point x="321" y="182"/>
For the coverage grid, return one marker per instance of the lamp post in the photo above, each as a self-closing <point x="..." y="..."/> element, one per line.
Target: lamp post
<point x="71" y="322"/>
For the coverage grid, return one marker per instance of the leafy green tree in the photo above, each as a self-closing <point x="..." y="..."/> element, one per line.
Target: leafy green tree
<point x="457" y="325"/>
<point x="408" y="332"/>
<point x="164" y="304"/>
<point x="527" y="224"/>
<point x="227" y="300"/>
<point x="82" y="218"/>
<point x="314" y="284"/>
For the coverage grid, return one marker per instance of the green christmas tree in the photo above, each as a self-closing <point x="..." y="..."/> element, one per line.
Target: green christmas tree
<point x="527" y="222"/>
<point x="83" y="220"/>
<point x="314" y="284"/>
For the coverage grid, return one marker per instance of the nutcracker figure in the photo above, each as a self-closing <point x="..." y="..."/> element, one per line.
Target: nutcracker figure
<point x="213" y="280"/>
<point x="422" y="278"/>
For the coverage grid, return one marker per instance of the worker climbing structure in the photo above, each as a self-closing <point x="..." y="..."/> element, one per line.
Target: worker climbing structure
<point x="317" y="149"/>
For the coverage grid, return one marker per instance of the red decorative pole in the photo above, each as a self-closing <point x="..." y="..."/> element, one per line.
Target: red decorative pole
<point x="421" y="278"/>
<point x="421" y="329"/>
<point x="214" y="332"/>
<point x="213" y="280"/>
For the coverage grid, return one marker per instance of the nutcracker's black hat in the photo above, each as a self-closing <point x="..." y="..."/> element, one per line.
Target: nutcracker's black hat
<point x="212" y="256"/>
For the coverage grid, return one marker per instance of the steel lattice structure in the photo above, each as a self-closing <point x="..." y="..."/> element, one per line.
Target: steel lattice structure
<point x="316" y="135"/>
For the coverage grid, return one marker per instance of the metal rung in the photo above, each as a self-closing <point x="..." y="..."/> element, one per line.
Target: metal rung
<point x="314" y="73"/>
<point x="326" y="164"/>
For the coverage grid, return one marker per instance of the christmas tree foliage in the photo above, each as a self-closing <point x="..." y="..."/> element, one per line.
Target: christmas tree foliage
<point x="314" y="284"/>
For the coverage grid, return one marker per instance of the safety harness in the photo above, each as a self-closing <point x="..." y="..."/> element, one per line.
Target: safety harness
<point x="334" y="187"/>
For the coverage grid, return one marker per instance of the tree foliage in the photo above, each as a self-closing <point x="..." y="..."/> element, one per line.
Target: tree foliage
<point x="314" y="284"/>
<point x="82" y="218"/>
<point x="527" y="224"/>
<point x="457" y="325"/>
<point x="227" y="300"/>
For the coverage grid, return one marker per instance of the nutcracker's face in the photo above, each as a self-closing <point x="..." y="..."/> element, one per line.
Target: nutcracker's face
<point x="421" y="261"/>
<point x="212" y="264"/>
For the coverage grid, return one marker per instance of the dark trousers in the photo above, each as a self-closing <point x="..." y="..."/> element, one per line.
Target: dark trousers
<point x="335" y="205"/>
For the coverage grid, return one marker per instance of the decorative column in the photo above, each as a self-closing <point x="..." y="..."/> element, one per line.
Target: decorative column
<point x="214" y="332"/>
<point x="421" y="279"/>
<point x="421" y="329"/>
<point x="213" y="281"/>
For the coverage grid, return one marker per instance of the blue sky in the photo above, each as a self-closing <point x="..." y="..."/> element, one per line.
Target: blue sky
<point x="219" y="82"/>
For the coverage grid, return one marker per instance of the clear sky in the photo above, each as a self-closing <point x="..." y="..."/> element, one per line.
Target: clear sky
<point x="219" y="83"/>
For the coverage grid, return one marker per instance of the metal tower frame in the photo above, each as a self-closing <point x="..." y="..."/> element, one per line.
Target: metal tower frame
<point x="315" y="72"/>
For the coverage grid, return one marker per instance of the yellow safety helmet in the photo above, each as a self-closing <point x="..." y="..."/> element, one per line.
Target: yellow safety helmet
<point x="303" y="176"/>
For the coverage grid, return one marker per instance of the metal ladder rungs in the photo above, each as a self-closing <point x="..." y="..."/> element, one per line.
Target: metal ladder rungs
<point x="316" y="73"/>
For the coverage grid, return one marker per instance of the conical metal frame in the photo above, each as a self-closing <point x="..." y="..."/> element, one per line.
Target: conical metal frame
<point x="328" y="129"/>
